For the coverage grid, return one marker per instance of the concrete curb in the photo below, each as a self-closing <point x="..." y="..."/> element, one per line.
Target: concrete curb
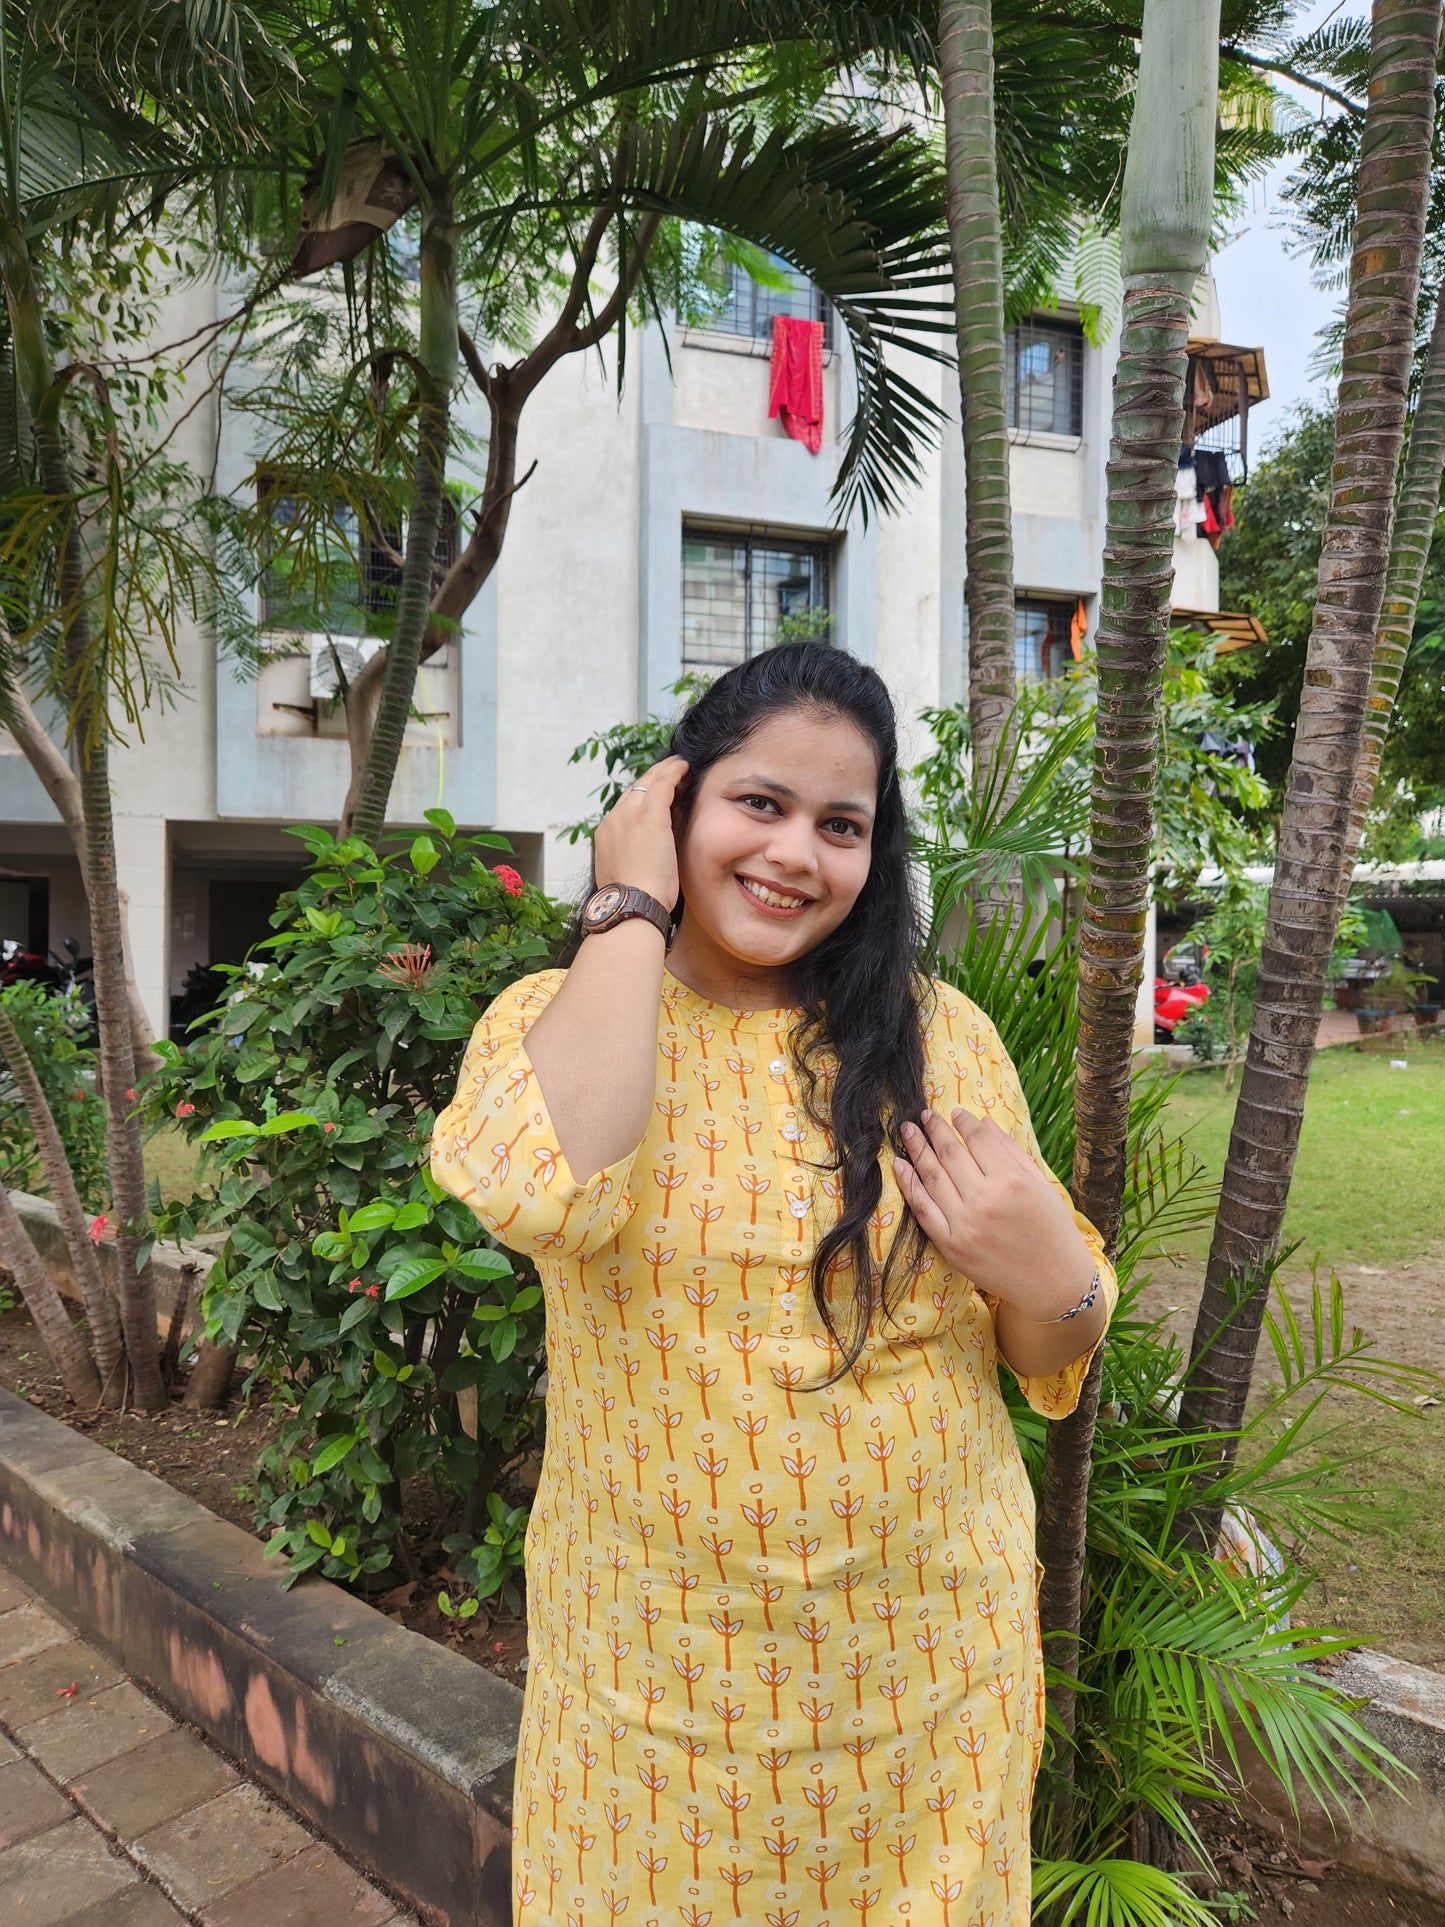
<point x="1400" y="1841"/>
<point x="399" y="1751"/>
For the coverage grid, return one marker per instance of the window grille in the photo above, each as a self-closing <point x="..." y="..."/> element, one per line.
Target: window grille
<point x="748" y="307"/>
<point x="1044" y="372"/>
<point x="738" y="591"/>
<point x="1041" y="637"/>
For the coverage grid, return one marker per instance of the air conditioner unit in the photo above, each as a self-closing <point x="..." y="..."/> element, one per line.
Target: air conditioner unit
<point x="327" y="653"/>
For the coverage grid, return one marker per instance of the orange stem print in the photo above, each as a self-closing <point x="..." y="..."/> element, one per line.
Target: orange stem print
<point x="865" y="1834"/>
<point x="773" y="1674"/>
<point x="939" y="1802"/>
<point x="856" y="1748"/>
<point x="772" y="1764"/>
<point x="893" y="1691"/>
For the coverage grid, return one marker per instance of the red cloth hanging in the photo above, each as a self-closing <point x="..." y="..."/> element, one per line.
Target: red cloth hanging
<point x="795" y="381"/>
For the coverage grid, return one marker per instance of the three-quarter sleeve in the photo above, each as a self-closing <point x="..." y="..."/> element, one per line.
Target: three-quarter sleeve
<point x="494" y="1146"/>
<point x="1055" y="1395"/>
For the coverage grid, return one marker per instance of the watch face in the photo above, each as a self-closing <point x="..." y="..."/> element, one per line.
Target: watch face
<point x="603" y="904"/>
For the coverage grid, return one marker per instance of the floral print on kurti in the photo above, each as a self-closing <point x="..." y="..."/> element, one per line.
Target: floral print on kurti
<point x="784" y="1650"/>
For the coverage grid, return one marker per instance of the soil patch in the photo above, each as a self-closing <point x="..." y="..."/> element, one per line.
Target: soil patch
<point x="1282" y="1888"/>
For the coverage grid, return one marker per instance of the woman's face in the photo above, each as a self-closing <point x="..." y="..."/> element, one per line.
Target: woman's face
<point x="779" y="840"/>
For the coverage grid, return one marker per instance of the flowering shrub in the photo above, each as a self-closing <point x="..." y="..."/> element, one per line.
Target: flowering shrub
<point x="53" y="1027"/>
<point x="400" y="1347"/>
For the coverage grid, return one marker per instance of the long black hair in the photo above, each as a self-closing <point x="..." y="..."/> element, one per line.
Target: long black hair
<point x="863" y="996"/>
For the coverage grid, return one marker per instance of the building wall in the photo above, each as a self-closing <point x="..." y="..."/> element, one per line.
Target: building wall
<point x="579" y="629"/>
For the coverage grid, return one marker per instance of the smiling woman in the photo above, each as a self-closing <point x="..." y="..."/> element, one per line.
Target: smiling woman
<point x="778" y="1283"/>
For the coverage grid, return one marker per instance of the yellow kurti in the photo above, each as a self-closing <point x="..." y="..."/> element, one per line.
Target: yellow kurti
<point x="784" y="1650"/>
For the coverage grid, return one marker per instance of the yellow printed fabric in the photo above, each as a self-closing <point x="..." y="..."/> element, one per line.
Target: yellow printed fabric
<point x="784" y="1649"/>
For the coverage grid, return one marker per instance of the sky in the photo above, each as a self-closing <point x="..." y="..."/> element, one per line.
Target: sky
<point x="1267" y="297"/>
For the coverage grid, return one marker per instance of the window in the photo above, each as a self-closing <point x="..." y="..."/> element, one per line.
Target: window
<point x="322" y="576"/>
<point x="739" y="590"/>
<point x="748" y="307"/>
<point x="1044" y="370"/>
<point x="1042" y="632"/>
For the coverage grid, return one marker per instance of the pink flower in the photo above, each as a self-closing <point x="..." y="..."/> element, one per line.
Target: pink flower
<point x="327" y="1127"/>
<point x="373" y="1291"/>
<point x="185" y="1110"/>
<point x="97" y="1228"/>
<point x="510" y="881"/>
<point x="410" y="967"/>
<point x="131" y="1096"/>
<point x="355" y="1285"/>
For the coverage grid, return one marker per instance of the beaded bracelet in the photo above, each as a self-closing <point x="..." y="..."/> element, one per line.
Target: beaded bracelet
<point x="1086" y="1303"/>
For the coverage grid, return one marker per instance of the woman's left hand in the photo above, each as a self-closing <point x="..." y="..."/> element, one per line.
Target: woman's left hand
<point x="992" y="1214"/>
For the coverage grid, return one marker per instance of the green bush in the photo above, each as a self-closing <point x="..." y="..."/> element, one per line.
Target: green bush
<point x="53" y="1026"/>
<point x="370" y="1306"/>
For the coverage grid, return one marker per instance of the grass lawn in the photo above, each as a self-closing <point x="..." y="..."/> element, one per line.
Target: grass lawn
<point x="170" y="1158"/>
<point x="1368" y="1200"/>
<point x="1369" y="1183"/>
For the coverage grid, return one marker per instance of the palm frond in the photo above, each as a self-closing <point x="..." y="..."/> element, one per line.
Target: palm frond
<point x="1115" y="1893"/>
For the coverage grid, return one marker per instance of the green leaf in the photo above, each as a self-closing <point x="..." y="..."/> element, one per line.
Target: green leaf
<point x="483" y="1265"/>
<point x="442" y="821"/>
<point x="263" y="1290"/>
<point x="317" y="1534"/>
<point x="355" y="1313"/>
<point x="316" y="1396"/>
<point x="410" y="1216"/>
<point x="373" y="1217"/>
<point x="227" y="1128"/>
<point x="412" y="1276"/>
<point x="424" y="855"/>
<point x="332" y="1453"/>
<point x="285" y="1121"/>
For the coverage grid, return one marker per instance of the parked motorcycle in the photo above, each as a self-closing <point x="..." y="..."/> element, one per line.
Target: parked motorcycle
<point x="1180" y="989"/>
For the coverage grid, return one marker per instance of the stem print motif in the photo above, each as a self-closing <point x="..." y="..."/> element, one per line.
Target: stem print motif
<point x="825" y="1694"/>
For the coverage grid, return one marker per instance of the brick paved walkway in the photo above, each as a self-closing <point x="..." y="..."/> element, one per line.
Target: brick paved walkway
<point x="112" y="1815"/>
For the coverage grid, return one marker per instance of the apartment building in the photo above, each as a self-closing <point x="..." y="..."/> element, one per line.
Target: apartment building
<point x="671" y="527"/>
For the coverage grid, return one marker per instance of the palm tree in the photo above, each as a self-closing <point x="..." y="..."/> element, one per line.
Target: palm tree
<point x="1310" y="859"/>
<point x="1416" y="513"/>
<point x="576" y="134"/>
<point x="1167" y="207"/>
<point x="966" y="83"/>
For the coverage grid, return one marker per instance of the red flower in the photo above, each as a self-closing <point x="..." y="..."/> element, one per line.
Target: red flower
<point x="131" y="1096"/>
<point x="185" y="1110"/>
<point x="354" y="1285"/>
<point x="510" y="881"/>
<point x="97" y="1228"/>
<point x="373" y="1291"/>
<point x="327" y="1127"/>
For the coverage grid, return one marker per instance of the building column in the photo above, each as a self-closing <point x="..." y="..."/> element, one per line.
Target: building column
<point x="143" y="864"/>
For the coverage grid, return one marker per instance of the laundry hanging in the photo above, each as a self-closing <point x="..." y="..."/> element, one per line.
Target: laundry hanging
<point x="795" y="382"/>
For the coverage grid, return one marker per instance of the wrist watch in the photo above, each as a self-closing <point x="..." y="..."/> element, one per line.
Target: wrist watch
<point x="614" y="903"/>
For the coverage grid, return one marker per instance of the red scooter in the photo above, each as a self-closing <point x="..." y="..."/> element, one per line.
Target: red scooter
<point x="1180" y="989"/>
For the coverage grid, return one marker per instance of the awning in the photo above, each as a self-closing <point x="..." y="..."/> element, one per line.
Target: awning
<point x="1230" y="628"/>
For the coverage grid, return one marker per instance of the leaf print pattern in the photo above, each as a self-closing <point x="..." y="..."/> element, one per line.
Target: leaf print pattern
<point x="784" y="1650"/>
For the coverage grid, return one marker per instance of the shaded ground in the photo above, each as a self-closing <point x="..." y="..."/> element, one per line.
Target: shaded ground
<point x="1279" y="1885"/>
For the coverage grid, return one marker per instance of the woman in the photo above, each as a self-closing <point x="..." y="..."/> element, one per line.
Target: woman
<point x="786" y="1203"/>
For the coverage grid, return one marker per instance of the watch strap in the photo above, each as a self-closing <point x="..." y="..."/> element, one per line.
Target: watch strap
<point x="615" y="903"/>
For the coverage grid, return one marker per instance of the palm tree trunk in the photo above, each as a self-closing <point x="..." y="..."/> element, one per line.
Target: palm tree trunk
<point x="67" y="1349"/>
<point x="86" y="697"/>
<point x="105" y="1338"/>
<point x="1304" y="899"/>
<point x="965" y="71"/>
<point x="1416" y="513"/>
<point x="1165" y="216"/>
<point x="438" y="357"/>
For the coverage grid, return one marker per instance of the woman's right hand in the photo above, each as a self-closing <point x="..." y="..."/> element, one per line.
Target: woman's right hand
<point x="634" y="842"/>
